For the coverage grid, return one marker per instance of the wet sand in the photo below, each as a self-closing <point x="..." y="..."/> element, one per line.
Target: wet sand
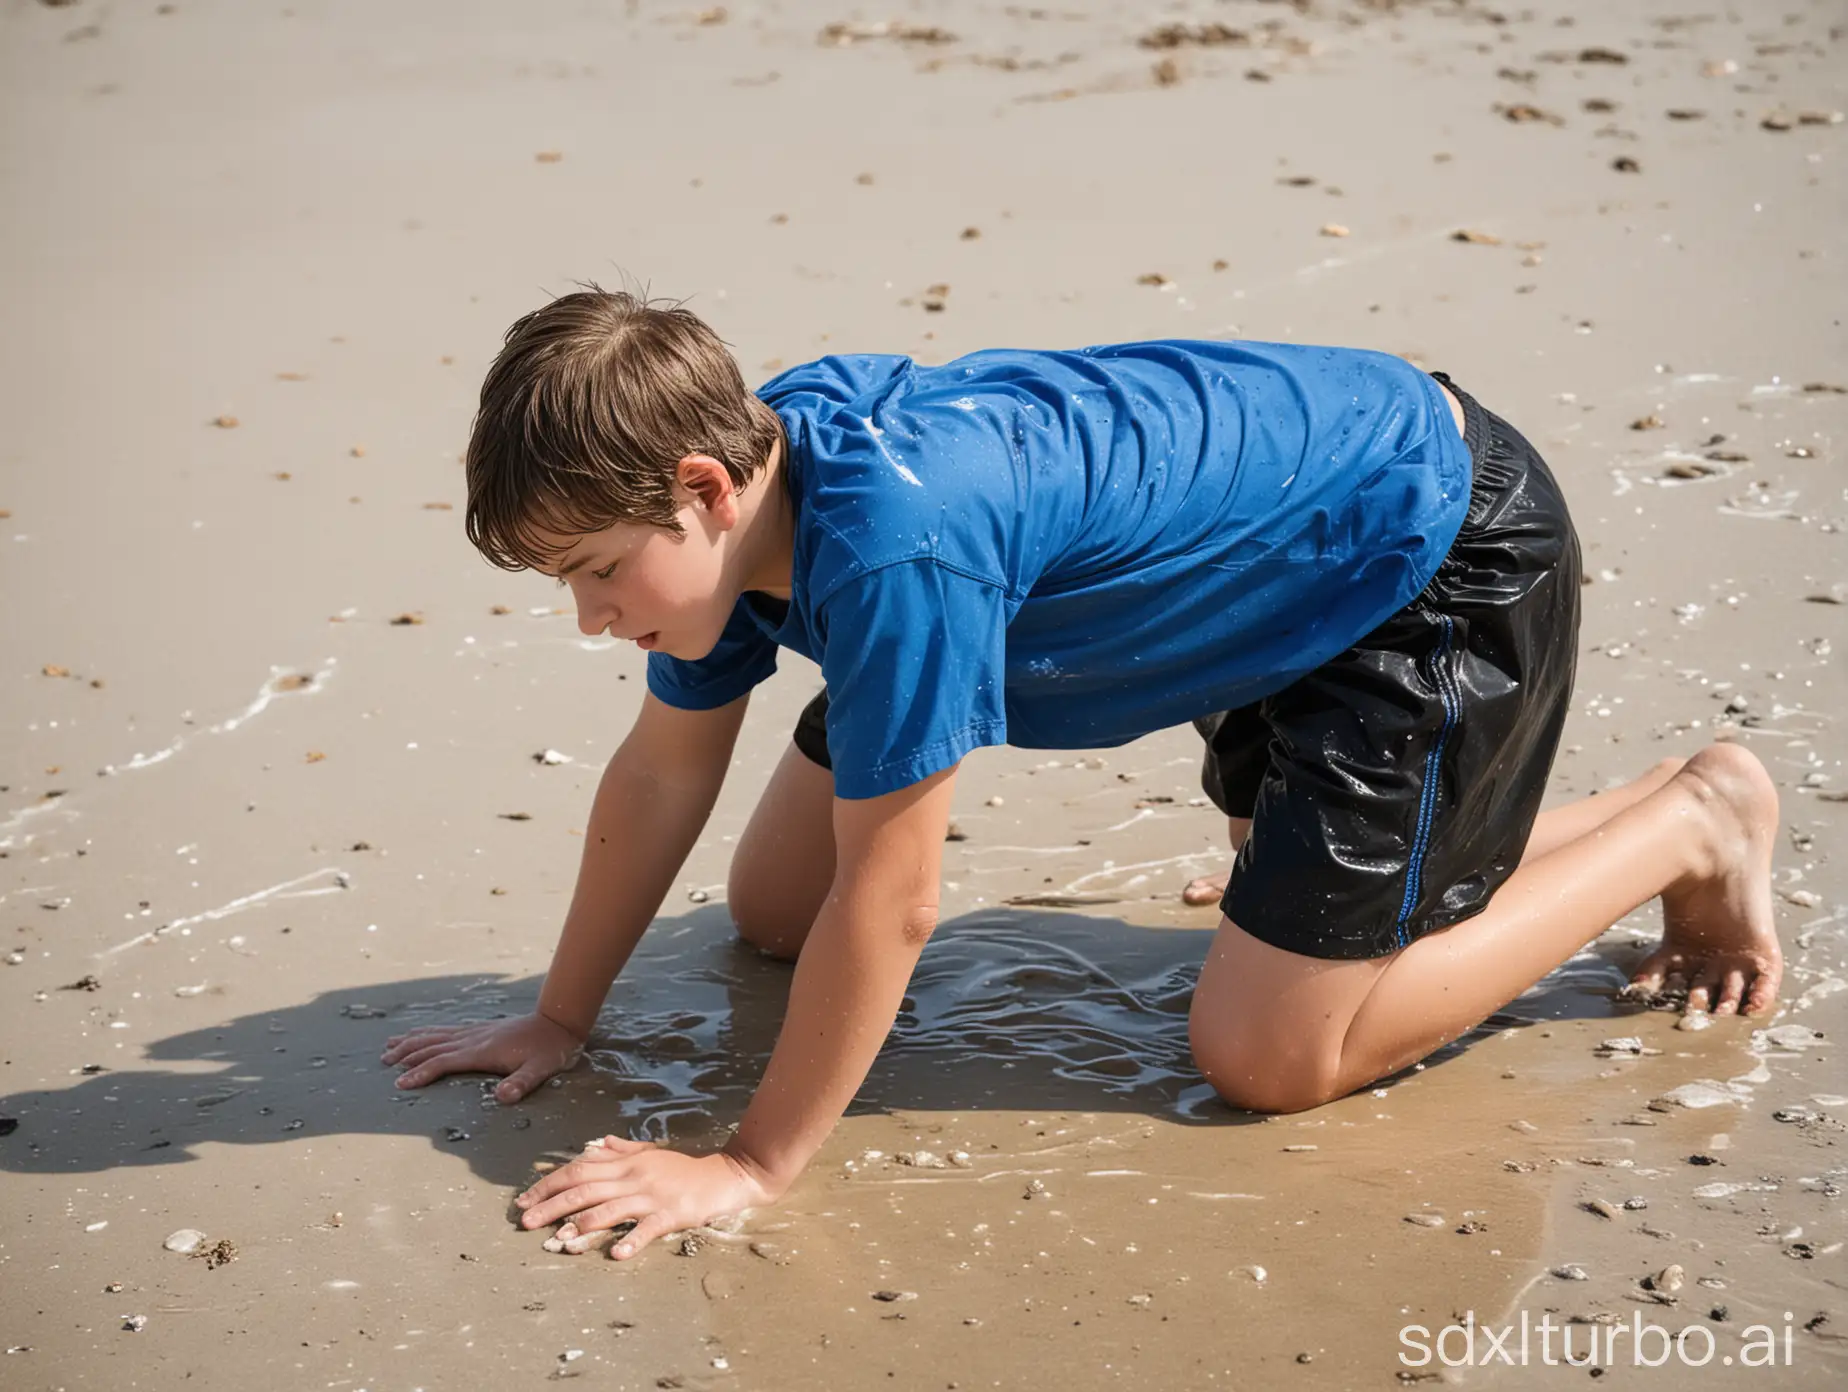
<point x="267" y="780"/>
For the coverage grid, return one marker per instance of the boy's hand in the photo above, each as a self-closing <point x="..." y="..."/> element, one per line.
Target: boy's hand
<point x="618" y="1181"/>
<point x="528" y="1049"/>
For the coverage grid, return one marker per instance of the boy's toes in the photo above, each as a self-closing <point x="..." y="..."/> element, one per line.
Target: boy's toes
<point x="1645" y="982"/>
<point x="1763" y="994"/>
<point x="1732" y="991"/>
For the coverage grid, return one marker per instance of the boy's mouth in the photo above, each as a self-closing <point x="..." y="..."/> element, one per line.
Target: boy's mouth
<point x="647" y="641"/>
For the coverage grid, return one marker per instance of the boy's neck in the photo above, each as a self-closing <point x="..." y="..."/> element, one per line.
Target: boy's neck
<point x="770" y="530"/>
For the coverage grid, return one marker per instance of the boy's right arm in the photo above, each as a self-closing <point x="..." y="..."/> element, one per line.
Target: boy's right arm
<point x="651" y="806"/>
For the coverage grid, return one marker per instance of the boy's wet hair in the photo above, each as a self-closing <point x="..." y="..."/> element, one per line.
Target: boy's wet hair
<point x="586" y="414"/>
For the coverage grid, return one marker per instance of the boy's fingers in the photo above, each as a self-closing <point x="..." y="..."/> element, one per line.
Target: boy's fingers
<point x="567" y="1176"/>
<point x="570" y="1202"/>
<point x="415" y="1052"/>
<point x="433" y="1066"/>
<point x="602" y="1218"/>
<point x="654" y="1225"/>
<point x="406" y="1045"/>
<point x="522" y="1081"/>
<point x="421" y="1033"/>
<point x="606" y="1148"/>
<point x="396" y="1049"/>
<point x="417" y="1077"/>
<point x="418" y="1057"/>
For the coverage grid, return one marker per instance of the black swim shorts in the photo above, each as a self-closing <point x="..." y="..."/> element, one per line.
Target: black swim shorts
<point x="1392" y="790"/>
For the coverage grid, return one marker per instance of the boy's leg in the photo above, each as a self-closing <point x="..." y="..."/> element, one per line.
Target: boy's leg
<point x="1278" y="1031"/>
<point x="1567" y="823"/>
<point x="1552" y="829"/>
<point x="784" y="864"/>
<point x="1397" y="885"/>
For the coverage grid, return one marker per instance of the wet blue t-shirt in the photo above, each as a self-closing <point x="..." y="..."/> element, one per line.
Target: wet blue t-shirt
<point x="1065" y="550"/>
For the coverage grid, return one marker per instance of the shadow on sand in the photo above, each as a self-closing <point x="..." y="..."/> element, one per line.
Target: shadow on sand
<point x="1008" y="1010"/>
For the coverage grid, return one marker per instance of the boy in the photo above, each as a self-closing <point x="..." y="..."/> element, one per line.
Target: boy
<point x="1360" y="585"/>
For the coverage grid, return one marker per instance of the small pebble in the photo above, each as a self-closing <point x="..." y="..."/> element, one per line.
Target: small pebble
<point x="1693" y="1096"/>
<point x="1668" y="1280"/>
<point x="1787" y="1036"/>
<point x="1695" y="1020"/>
<point x="1571" y="1272"/>
<point x="1601" y="1208"/>
<point x="1629" y="1044"/>
<point x="184" y="1241"/>
<point x="1425" y="1220"/>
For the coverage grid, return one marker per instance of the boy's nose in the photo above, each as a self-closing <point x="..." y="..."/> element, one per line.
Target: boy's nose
<point x="594" y="618"/>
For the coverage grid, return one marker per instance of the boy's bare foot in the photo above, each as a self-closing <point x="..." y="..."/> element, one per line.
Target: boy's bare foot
<point x="1719" y="942"/>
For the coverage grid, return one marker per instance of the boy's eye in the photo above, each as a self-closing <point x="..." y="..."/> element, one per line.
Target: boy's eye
<point x="606" y="572"/>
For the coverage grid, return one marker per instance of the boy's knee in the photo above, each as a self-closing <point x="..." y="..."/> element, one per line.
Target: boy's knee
<point x="771" y="938"/>
<point x="762" y="922"/>
<point x="1255" y="1076"/>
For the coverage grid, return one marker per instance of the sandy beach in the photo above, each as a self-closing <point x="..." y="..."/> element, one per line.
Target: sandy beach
<point x="286" y="767"/>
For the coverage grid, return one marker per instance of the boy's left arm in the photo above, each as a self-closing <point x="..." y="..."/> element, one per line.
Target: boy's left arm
<point x="849" y="982"/>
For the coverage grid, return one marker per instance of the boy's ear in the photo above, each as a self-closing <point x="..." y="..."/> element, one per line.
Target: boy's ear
<point x="710" y="486"/>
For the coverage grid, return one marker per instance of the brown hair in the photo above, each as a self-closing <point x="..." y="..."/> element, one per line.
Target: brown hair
<point x="586" y="414"/>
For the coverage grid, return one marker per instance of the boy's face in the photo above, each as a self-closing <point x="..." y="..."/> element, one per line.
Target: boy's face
<point x="642" y="584"/>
